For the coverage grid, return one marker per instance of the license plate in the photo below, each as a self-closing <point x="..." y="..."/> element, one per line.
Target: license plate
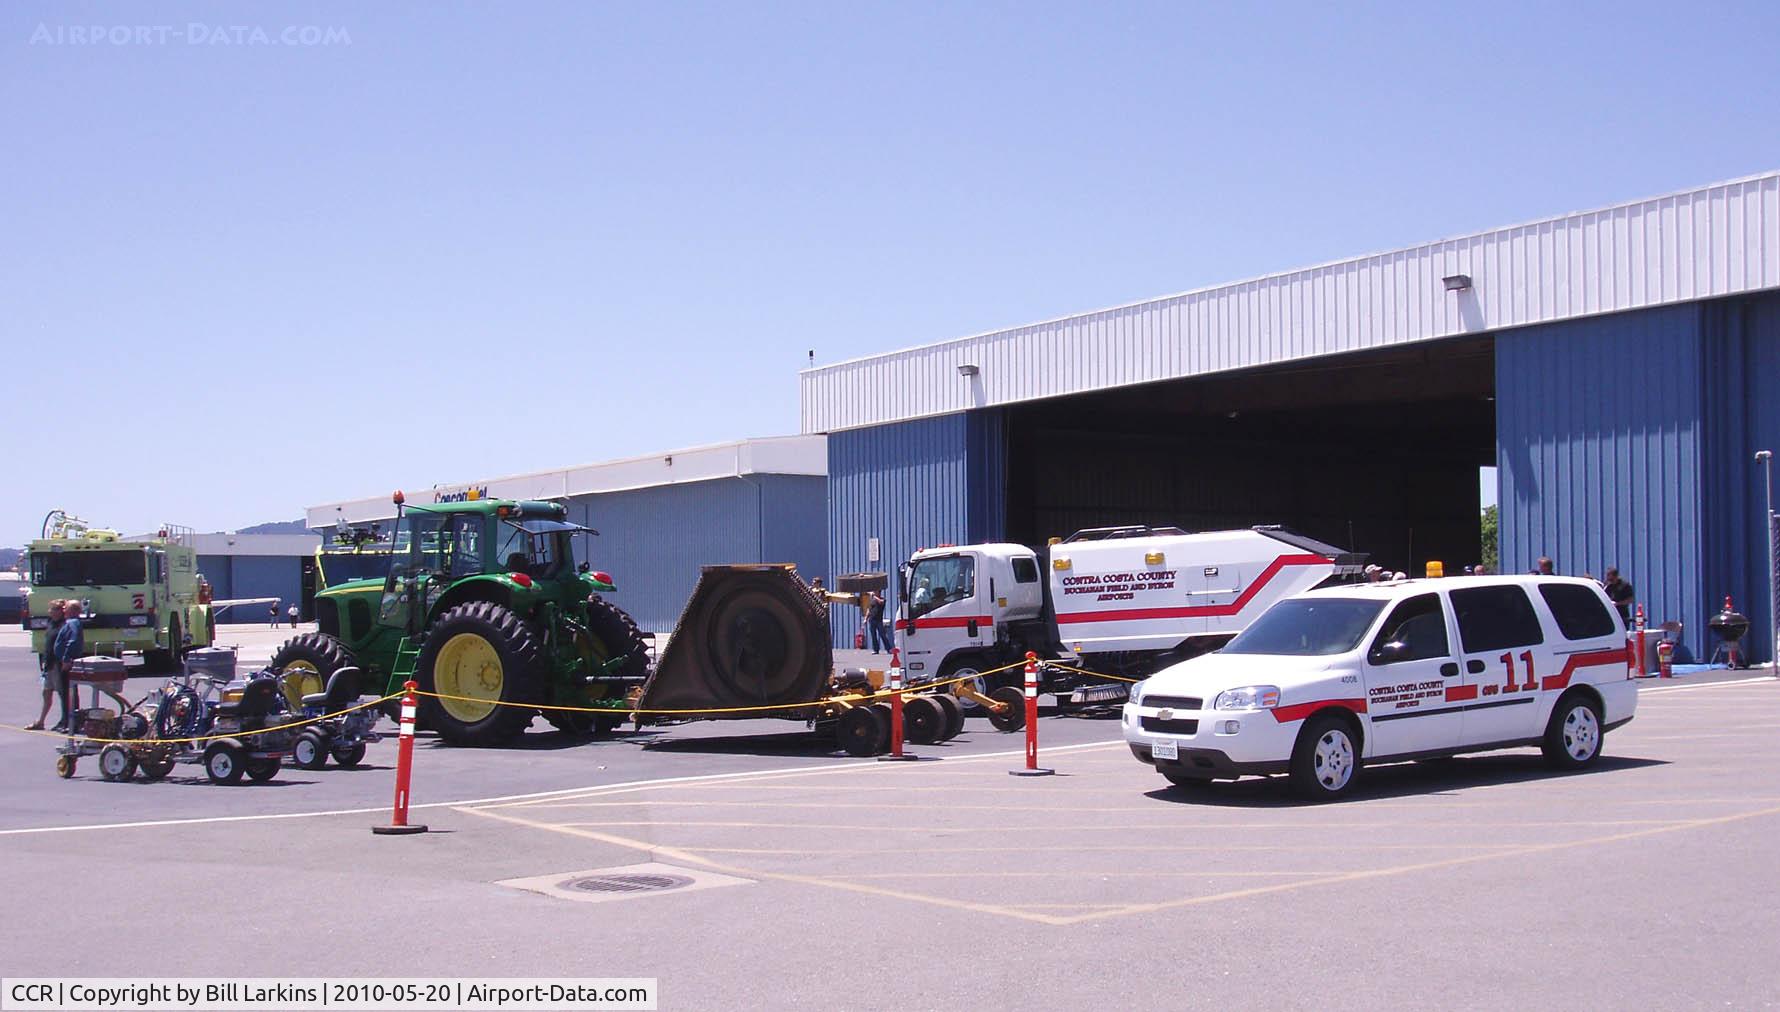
<point x="1165" y="750"/>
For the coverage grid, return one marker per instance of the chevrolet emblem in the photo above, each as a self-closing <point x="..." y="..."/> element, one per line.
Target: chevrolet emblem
<point x="1164" y="714"/>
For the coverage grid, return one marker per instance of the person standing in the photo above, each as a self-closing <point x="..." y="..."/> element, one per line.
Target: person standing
<point x="273" y="614"/>
<point x="55" y="682"/>
<point x="291" y="613"/>
<point x="1620" y="592"/>
<point x="71" y="645"/>
<point x="873" y="603"/>
<point x="1545" y="567"/>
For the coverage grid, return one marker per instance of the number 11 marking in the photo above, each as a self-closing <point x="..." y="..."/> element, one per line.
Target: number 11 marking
<point x="1526" y="658"/>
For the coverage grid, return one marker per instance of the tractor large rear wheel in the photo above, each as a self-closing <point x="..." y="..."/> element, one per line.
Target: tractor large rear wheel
<point x="487" y="664"/>
<point x="307" y="662"/>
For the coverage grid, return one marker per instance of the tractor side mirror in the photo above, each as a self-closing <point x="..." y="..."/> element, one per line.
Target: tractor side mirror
<point x="584" y="567"/>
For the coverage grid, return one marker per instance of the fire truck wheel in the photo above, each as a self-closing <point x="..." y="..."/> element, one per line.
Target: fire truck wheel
<point x="261" y="770"/>
<point x="310" y="751"/>
<point x="973" y="680"/>
<point x="1573" y="734"/>
<point x="224" y="763"/>
<point x="862" y="731"/>
<point x="116" y="763"/>
<point x="64" y="766"/>
<point x="923" y="720"/>
<point x="954" y="712"/>
<point x="155" y="769"/>
<point x="1013" y="717"/>
<point x="349" y="756"/>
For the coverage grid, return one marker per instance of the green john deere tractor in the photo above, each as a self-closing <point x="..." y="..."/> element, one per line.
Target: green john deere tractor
<point x="484" y="605"/>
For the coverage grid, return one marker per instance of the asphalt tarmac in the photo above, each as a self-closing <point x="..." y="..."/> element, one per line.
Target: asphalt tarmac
<point x="821" y="881"/>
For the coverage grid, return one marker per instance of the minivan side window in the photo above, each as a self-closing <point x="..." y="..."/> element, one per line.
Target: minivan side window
<point x="1580" y="612"/>
<point x="1420" y="625"/>
<point x="1496" y="618"/>
<point x="1025" y="571"/>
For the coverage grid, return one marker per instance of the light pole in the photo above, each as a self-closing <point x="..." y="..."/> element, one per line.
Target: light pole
<point x="1766" y="459"/>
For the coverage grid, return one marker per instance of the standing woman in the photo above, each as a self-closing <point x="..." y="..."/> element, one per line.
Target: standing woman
<point x="55" y="682"/>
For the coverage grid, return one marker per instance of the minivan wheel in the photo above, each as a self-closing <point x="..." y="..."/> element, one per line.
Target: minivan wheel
<point x="1573" y="734"/>
<point x="1326" y="760"/>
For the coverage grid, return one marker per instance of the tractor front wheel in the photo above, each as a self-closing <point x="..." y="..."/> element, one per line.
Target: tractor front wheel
<point x="487" y="669"/>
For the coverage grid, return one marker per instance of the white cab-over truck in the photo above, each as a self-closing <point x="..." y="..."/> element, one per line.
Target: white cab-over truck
<point x="1119" y="600"/>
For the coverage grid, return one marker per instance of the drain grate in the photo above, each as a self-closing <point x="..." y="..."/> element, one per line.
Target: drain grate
<point x="630" y="881"/>
<point x="625" y="883"/>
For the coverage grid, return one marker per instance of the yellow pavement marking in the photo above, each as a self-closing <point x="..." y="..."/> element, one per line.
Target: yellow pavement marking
<point x="1171" y="827"/>
<point x="691" y="858"/>
<point x="1357" y="876"/>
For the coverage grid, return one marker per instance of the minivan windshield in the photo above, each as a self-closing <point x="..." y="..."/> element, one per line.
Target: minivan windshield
<point x="1308" y="627"/>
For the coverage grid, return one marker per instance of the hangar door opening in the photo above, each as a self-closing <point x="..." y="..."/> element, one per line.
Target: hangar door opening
<point x="1377" y="452"/>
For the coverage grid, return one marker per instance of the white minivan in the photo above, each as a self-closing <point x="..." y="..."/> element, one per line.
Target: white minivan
<point x="1328" y="681"/>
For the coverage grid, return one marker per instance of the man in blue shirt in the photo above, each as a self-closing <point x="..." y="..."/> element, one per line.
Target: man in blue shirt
<point x="55" y="681"/>
<point x="70" y="646"/>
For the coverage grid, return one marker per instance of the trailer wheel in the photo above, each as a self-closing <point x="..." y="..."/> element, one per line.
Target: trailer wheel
<point x="116" y="763"/>
<point x="64" y="766"/>
<point x="349" y="756"/>
<point x="261" y="770"/>
<point x="310" y="751"/>
<point x="1014" y="718"/>
<point x="954" y="712"/>
<point x="224" y="763"/>
<point x="155" y="769"/>
<point x="923" y="720"/>
<point x="862" y="731"/>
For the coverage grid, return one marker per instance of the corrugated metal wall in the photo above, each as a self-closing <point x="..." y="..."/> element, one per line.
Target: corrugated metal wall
<point x="912" y="485"/>
<point x="242" y="576"/>
<point x="1713" y="241"/>
<point x="654" y="540"/>
<point x="1628" y="440"/>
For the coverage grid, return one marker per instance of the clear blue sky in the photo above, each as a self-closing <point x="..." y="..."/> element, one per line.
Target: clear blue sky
<point x="470" y="239"/>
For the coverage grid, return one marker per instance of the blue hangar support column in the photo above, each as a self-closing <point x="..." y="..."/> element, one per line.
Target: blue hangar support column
<point x="912" y="485"/>
<point x="1629" y="440"/>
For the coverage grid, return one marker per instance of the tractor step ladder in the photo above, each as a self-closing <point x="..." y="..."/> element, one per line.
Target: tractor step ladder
<point x="403" y="670"/>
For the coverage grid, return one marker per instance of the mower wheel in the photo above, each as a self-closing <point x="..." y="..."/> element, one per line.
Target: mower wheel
<point x="65" y="766"/>
<point x="116" y="763"/>
<point x="349" y="756"/>
<point x="155" y="769"/>
<point x="310" y="751"/>
<point x="224" y="763"/>
<point x="862" y="731"/>
<point x="1014" y="717"/>
<point x="261" y="770"/>
<point x="923" y="720"/>
<point x="954" y="712"/>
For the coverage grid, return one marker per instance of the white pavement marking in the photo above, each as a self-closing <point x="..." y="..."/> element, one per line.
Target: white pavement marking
<point x="509" y="798"/>
<point x="1703" y="685"/>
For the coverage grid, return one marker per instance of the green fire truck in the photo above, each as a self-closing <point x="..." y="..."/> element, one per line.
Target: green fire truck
<point x="143" y="596"/>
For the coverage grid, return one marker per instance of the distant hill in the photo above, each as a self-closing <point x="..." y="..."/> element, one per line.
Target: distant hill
<point x="277" y="527"/>
<point x="9" y="557"/>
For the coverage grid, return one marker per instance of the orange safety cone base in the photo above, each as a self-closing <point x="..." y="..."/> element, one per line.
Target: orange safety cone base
<point x="397" y="830"/>
<point x="1031" y="773"/>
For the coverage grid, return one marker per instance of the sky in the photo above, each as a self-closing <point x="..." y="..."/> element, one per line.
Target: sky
<point x="255" y="258"/>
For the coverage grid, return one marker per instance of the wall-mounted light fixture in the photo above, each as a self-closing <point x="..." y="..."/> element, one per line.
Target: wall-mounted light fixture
<point x="1457" y="282"/>
<point x="967" y="370"/>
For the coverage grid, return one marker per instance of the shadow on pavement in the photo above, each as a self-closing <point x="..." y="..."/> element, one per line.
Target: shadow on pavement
<point x="1395" y="780"/>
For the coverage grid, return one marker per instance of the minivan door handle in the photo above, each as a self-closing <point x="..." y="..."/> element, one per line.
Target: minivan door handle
<point x="1449" y="670"/>
<point x="1474" y="666"/>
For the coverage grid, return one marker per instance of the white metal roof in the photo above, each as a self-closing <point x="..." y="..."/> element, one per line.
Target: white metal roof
<point x="1717" y="240"/>
<point x="807" y="455"/>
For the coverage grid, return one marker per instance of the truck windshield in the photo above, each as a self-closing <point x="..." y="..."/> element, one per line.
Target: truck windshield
<point x="82" y="569"/>
<point x="934" y="583"/>
<point x="1308" y="627"/>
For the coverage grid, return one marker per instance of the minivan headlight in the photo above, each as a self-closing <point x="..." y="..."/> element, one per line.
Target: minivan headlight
<point x="1249" y="697"/>
<point x="1135" y="695"/>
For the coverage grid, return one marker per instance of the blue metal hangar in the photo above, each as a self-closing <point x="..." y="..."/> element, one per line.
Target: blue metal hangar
<point x="1620" y="367"/>
<point x="663" y="516"/>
